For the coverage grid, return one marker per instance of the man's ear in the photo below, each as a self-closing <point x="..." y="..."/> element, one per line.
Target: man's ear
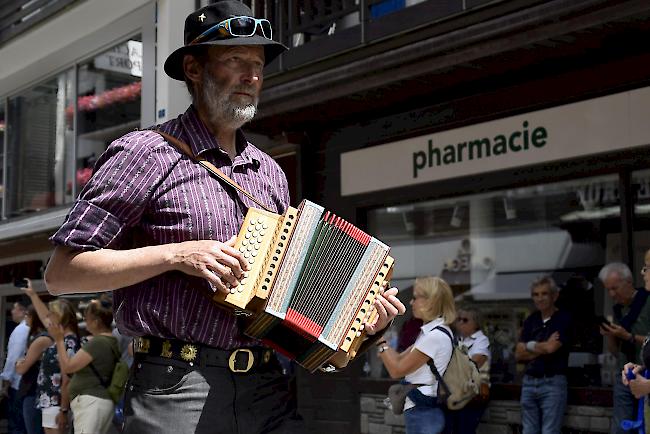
<point x="192" y="68"/>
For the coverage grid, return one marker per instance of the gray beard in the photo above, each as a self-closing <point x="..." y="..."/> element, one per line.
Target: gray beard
<point x="220" y="110"/>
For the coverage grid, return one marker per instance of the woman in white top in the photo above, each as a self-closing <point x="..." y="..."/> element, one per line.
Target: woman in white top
<point x="472" y="338"/>
<point x="433" y="303"/>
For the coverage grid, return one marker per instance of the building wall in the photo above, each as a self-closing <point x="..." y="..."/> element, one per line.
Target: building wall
<point x="501" y="417"/>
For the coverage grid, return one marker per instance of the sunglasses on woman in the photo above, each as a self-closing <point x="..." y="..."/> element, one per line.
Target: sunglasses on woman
<point x="239" y="27"/>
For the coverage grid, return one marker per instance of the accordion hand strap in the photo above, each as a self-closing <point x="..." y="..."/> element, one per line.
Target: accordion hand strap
<point x="185" y="149"/>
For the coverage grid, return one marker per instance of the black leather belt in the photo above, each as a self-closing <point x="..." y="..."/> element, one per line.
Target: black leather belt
<point x="240" y="360"/>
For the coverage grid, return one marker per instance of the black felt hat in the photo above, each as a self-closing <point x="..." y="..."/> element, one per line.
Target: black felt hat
<point x="205" y="18"/>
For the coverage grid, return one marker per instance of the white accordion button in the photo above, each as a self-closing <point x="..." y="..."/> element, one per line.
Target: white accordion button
<point x="262" y="232"/>
<point x="251" y="260"/>
<point x="233" y="290"/>
<point x="247" y="254"/>
<point x="248" y="235"/>
<point x="265" y="226"/>
<point x="244" y="243"/>
<point x="254" y="253"/>
<point x="258" y="227"/>
<point x="242" y="249"/>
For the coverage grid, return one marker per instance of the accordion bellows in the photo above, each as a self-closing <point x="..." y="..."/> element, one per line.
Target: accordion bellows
<point x="312" y="284"/>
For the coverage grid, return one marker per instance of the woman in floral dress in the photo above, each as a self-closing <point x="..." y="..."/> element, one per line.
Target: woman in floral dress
<point x="51" y="390"/>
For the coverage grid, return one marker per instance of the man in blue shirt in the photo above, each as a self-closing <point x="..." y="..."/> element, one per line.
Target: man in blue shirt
<point x="10" y="379"/>
<point x="544" y="347"/>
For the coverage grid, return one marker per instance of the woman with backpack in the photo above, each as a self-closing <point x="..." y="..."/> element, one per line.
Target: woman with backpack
<point x="38" y="341"/>
<point x="433" y="303"/>
<point x="92" y="366"/>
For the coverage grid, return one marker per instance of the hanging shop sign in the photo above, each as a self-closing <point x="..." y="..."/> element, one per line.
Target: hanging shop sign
<point x="125" y="58"/>
<point x="584" y="128"/>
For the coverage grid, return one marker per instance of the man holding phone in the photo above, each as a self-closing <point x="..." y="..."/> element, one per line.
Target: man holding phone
<point x="10" y="379"/>
<point x="626" y="334"/>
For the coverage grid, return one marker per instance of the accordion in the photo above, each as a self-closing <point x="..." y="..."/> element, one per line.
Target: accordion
<point x="312" y="283"/>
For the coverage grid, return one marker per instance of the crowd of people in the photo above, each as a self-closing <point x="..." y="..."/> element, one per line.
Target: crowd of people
<point x="189" y="221"/>
<point x="45" y="349"/>
<point x="544" y="344"/>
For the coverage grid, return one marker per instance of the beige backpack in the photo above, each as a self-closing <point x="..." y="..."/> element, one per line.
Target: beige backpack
<point x="461" y="381"/>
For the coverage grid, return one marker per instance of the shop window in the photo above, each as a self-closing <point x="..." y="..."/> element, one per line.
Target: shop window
<point x="641" y="238"/>
<point x="108" y="103"/>
<point x="39" y="136"/>
<point x="490" y="247"/>
<point x="2" y="154"/>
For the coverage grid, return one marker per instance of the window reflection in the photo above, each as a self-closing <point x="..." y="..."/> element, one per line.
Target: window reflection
<point x="2" y="155"/>
<point x="490" y="247"/>
<point x="108" y="105"/>
<point x="38" y="145"/>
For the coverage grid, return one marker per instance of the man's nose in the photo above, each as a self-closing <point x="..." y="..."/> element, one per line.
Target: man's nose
<point x="251" y="75"/>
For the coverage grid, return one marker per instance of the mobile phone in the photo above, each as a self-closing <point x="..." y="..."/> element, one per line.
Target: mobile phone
<point x="21" y="283"/>
<point x="602" y="320"/>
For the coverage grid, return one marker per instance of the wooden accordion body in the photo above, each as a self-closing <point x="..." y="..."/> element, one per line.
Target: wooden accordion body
<point x="312" y="285"/>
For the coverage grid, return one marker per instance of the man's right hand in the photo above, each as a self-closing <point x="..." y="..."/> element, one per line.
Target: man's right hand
<point x="28" y="289"/>
<point x="220" y="263"/>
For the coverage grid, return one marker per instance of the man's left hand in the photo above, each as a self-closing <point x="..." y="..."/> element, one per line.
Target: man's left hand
<point x="388" y="307"/>
<point x="615" y="331"/>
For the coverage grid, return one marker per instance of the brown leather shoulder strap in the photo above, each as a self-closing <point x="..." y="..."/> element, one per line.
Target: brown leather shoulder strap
<point x="185" y="149"/>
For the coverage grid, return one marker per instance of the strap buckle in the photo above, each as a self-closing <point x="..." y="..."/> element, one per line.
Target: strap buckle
<point x="235" y="363"/>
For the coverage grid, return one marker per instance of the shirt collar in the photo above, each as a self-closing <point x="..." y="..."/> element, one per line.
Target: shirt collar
<point x="201" y="140"/>
<point x="427" y="327"/>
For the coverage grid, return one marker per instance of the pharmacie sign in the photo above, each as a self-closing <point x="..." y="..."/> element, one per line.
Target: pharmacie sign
<point x="584" y="128"/>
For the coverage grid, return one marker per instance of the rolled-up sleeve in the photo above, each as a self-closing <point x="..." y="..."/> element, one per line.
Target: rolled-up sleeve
<point x="116" y="196"/>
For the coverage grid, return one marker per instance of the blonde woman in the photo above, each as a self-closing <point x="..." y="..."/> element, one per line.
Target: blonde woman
<point x="433" y="303"/>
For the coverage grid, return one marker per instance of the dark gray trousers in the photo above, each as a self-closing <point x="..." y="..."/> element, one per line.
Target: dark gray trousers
<point x="168" y="396"/>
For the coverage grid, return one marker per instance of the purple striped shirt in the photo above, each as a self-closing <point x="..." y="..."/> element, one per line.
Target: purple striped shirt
<point x="144" y="192"/>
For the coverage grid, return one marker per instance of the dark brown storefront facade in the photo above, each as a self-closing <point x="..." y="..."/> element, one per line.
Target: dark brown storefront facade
<point x="390" y="132"/>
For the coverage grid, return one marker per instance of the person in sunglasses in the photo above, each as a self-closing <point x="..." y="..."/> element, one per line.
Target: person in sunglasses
<point x="469" y="324"/>
<point x="194" y="370"/>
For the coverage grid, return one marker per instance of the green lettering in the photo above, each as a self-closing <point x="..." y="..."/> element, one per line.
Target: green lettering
<point x="539" y="137"/>
<point x="450" y="155"/>
<point x="500" y="145"/>
<point x="526" y="135"/>
<point x="433" y="152"/>
<point x="419" y="162"/>
<point x="461" y="146"/>
<point x="511" y="143"/>
<point x="478" y="145"/>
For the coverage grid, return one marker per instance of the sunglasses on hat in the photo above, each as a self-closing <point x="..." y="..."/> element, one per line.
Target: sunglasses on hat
<point x="240" y="27"/>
